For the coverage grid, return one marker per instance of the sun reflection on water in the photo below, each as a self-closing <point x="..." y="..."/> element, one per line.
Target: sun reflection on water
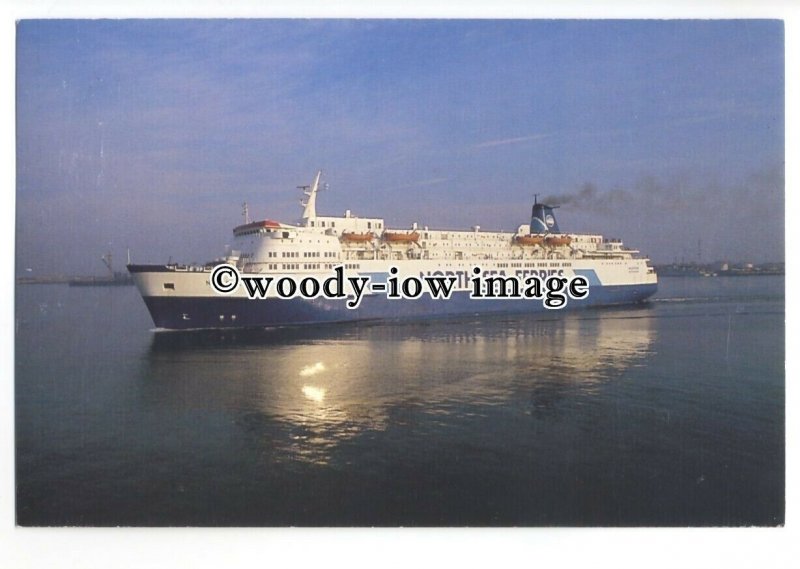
<point x="367" y="379"/>
<point x="315" y="394"/>
<point x="312" y="369"/>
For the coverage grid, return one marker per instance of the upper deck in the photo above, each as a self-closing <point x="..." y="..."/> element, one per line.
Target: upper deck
<point x="314" y="241"/>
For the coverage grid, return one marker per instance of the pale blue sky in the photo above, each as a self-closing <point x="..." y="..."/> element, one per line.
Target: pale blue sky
<point x="151" y="133"/>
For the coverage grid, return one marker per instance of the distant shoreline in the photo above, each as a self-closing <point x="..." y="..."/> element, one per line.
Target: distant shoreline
<point x="102" y="281"/>
<point x="74" y="281"/>
<point x="724" y="274"/>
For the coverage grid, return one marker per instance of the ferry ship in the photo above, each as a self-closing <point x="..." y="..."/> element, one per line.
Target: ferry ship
<point x="180" y="297"/>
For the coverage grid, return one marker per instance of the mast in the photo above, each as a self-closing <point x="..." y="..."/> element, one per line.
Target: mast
<point x="310" y="211"/>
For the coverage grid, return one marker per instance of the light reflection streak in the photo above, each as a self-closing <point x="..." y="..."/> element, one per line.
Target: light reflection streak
<point x="313" y="369"/>
<point x="382" y="375"/>
<point x="315" y="394"/>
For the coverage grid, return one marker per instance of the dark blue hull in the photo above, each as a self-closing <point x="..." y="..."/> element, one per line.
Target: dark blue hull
<point x="185" y="313"/>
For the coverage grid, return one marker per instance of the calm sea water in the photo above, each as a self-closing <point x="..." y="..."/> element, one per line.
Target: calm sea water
<point x="671" y="413"/>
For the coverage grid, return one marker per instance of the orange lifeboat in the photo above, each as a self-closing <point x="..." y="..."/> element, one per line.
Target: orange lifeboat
<point x="557" y="240"/>
<point x="528" y="239"/>
<point x="412" y="237"/>
<point x="350" y="237"/>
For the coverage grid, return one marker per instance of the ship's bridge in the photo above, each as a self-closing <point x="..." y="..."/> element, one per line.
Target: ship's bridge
<point x="269" y="246"/>
<point x="347" y="224"/>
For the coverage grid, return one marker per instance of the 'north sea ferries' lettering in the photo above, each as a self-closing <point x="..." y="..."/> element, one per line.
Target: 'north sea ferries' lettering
<point x="463" y="277"/>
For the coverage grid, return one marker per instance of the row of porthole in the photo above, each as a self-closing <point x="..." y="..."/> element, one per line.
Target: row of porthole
<point x="222" y="317"/>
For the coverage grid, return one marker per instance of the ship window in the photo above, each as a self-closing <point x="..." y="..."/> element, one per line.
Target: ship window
<point x="323" y="224"/>
<point x="285" y="234"/>
<point x="312" y="224"/>
<point x="333" y="224"/>
<point x="169" y="286"/>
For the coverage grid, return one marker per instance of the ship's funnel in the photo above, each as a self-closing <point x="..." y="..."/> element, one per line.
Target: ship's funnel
<point x="543" y="220"/>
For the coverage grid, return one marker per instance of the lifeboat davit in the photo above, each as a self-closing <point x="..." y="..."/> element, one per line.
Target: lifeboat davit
<point x="528" y="240"/>
<point x="557" y="240"/>
<point x="391" y="237"/>
<point x="351" y="237"/>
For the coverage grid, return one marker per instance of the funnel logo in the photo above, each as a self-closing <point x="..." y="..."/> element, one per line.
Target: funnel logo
<point x="550" y="220"/>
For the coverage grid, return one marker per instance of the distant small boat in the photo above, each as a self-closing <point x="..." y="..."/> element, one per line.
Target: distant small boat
<point x="392" y="237"/>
